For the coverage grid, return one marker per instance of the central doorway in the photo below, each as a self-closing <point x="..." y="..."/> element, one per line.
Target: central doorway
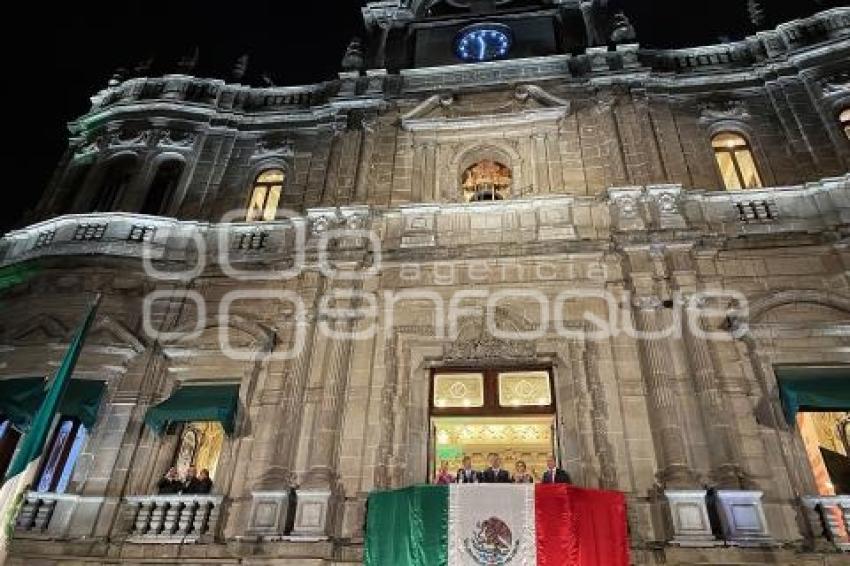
<point x="475" y="413"/>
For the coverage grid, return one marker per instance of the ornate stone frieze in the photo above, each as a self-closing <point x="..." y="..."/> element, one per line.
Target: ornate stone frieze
<point x="717" y="110"/>
<point x="489" y="348"/>
<point x="274" y="147"/>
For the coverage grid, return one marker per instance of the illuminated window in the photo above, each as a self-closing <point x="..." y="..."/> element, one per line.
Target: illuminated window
<point x="65" y="447"/>
<point x="265" y="195"/>
<point x="486" y="180"/>
<point x="458" y="390"/>
<point x="735" y="159"/>
<point x="844" y="118"/>
<point x="524" y="389"/>
<point x="199" y="447"/>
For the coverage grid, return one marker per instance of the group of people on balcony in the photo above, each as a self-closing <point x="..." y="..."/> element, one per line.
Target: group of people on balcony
<point x="494" y="473"/>
<point x="192" y="483"/>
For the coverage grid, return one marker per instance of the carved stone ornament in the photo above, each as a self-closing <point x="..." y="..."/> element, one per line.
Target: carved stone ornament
<point x="668" y="203"/>
<point x="717" y="110"/>
<point x="834" y="84"/>
<point x="489" y="348"/>
<point x="627" y="205"/>
<point x="175" y="139"/>
<point x="274" y="147"/>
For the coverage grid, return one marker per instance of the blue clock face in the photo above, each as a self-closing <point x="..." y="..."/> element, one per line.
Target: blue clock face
<point x="483" y="42"/>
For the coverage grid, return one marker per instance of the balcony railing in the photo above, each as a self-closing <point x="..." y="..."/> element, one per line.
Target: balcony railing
<point x="172" y="519"/>
<point x="829" y="517"/>
<point x="36" y="512"/>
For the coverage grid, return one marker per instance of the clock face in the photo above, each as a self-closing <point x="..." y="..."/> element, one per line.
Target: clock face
<point x="483" y="42"/>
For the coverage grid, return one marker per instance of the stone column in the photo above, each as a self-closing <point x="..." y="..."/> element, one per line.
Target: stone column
<point x="657" y="362"/>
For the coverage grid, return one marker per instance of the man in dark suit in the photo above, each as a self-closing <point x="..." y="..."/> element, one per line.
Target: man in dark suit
<point x="466" y="474"/>
<point x="496" y="474"/>
<point x="554" y="474"/>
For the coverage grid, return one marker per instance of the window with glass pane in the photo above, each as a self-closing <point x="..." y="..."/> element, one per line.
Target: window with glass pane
<point x="61" y="456"/>
<point x="844" y="118"/>
<point x="459" y="390"/>
<point x="735" y="160"/>
<point x="524" y="389"/>
<point x="8" y="442"/>
<point x="265" y="196"/>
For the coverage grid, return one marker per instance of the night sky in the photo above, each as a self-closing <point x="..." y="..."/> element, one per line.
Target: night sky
<point x="59" y="54"/>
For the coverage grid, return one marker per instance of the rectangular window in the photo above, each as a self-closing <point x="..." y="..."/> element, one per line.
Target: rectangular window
<point x="525" y="389"/>
<point x="727" y="170"/>
<point x="748" y="169"/>
<point x="61" y="456"/>
<point x="459" y="390"/>
<point x="8" y="442"/>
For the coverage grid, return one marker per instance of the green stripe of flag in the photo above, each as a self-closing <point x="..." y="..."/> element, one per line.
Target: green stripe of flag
<point x="408" y="527"/>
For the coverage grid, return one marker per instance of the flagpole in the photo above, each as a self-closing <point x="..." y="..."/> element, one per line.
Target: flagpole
<point x="24" y="464"/>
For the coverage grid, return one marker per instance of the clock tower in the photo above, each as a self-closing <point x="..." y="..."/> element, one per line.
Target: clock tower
<point x="405" y="34"/>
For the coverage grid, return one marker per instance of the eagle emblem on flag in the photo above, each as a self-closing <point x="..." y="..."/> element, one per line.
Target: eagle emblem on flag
<point x="492" y="544"/>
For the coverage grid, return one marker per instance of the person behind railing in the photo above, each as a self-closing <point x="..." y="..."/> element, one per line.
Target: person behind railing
<point x="204" y="484"/>
<point x="553" y="473"/>
<point x="495" y="473"/>
<point x="522" y="475"/>
<point x="190" y="482"/>
<point x="466" y="474"/>
<point x="443" y="476"/>
<point x="170" y="483"/>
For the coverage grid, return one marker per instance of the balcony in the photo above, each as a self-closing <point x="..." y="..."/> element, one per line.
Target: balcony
<point x="172" y="519"/>
<point x="829" y="518"/>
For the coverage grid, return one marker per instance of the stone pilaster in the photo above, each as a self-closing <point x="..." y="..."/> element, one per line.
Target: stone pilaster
<point x="657" y="362"/>
<point x="725" y="468"/>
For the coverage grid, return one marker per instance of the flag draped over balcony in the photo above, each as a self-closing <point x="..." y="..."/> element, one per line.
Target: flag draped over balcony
<point x="496" y="525"/>
<point x="36" y="437"/>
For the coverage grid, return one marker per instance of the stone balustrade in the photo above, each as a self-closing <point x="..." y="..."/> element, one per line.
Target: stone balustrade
<point x="36" y="512"/>
<point x="814" y="207"/>
<point x="829" y="517"/>
<point x="178" y="519"/>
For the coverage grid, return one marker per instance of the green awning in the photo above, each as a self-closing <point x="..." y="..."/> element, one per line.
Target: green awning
<point x="21" y="398"/>
<point x="192" y="403"/>
<point x="813" y="389"/>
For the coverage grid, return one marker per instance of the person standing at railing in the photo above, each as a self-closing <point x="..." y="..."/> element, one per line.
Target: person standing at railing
<point x="496" y="474"/>
<point x="204" y="484"/>
<point x="443" y="476"/>
<point x="554" y="474"/>
<point x="522" y="475"/>
<point x="190" y="482"/>
<point x="170" y="483"/>
<point x="466" y="474"/>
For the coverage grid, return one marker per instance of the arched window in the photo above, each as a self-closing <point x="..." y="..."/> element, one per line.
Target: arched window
<point x="735" y="159"/>
<point x="486" y="181"/>
<point x="61" y="456"/>
<point x="163" y="187"/>
<point x="844" y="119"/>
<point x="119" y="174"/>
<point x="265" y="195"/>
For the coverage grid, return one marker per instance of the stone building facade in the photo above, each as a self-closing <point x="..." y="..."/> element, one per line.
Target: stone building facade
<point x="418" y="218"/>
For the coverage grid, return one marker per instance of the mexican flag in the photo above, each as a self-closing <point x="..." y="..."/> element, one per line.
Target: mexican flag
<point x="496" y="525"/>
